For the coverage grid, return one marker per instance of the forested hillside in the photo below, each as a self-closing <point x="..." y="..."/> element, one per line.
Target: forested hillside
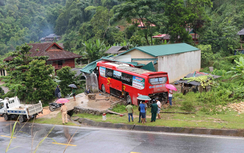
<point x="26" y="20"/>
<point x="116" y="21"/>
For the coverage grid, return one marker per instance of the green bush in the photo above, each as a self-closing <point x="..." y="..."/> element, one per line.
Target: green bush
<point x="119" y="108"/>
<point x="67" y="77"/>
<point x="1" y="92"/>
<point x="188" y="106"/>
<point x="8" y="94"/>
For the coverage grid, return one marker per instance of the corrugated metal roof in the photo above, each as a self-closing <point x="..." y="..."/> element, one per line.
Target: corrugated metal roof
<point x="161" y="50"/>
<point x="149" y="67"/>
<point x="89" y="68"/>
<point x="241" y="32"/>
<point x="115" y="49"/>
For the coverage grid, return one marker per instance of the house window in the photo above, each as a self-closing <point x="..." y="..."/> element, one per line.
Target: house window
<point x="60" y="62"/>
<point x="49" y="62"/>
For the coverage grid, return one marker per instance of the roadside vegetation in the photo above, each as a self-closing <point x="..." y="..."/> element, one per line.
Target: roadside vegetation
<point x="201" y="110"/>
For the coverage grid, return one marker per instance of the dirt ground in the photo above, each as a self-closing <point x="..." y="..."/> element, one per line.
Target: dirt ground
<point x="102" y="102"/>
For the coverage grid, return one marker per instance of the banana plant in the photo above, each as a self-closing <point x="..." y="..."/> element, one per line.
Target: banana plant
<point x="94" y="49"/>
<point x="238" y="70"/>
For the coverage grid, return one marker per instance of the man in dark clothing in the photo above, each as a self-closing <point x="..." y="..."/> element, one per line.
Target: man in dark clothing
<point x="154" y="110"/>
<point x="139" y="109"/>
<point x="57" y="92"/>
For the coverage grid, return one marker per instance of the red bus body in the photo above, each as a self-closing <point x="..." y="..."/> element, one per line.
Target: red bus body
<point x="128" y="82"/>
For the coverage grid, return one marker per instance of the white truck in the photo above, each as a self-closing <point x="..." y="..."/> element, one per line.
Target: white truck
<point x="10" y="108"/>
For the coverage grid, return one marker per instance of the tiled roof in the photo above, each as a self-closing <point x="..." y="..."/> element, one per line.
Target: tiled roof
<point x="45" y="49"/>
<point x="161" y="50"/>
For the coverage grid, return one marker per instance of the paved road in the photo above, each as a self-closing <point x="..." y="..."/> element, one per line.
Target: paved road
<point x="97" y="140"/>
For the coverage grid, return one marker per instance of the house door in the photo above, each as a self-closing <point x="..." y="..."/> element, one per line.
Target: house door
<point x="60" y="64"/>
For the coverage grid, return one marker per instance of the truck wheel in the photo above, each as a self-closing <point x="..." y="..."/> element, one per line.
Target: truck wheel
<point x="51" y="108"/>
<point x="6" y="117"/>
<point x="22" y="118"/>
<point x="128" y="99"/>
<point x="103" y="89"/>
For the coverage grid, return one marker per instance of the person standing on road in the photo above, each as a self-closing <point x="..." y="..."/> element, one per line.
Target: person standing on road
<point x="143" y="111"/>
<point x="170" y="97"/>
<point x="159" y="108"/>
<point x="58" y="92"/>
<point x="64" y="113"/>
<point x="129" y="110"/>
<point x="73" y="92"/>
<point x="154" y="110"/>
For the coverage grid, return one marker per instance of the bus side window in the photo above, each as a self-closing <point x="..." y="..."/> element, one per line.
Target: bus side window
<point x="126" y="78"/>
<point x="109" y="73"/>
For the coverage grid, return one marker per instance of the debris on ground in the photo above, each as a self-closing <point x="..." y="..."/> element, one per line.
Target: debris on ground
<point x="239" y="107"/>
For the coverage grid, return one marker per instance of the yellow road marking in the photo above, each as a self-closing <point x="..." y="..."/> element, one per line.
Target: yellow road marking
<point x="7" y="136"/>
<point x="65" y="144"/>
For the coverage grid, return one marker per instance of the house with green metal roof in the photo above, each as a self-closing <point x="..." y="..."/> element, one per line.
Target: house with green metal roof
<point x="176" y="59"/>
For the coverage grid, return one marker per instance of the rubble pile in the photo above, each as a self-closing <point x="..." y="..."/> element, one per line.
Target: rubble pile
<point x="239" y="107"/>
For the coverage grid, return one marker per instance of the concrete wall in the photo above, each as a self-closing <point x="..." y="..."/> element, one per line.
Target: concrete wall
<point x="179" y="65"/>
<point x="140" y="57"/>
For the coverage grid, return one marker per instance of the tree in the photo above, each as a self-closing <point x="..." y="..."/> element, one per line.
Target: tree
<point x="67" y="77"/>
<point x="178" y="17"/>
<point x="38" y="78"/>
<point x="198" y="16"/>
<point x="29" y="77"/>
<point x="148" y="12"/>
<point x="94" y="49"/>
<point x="100" y="22"/>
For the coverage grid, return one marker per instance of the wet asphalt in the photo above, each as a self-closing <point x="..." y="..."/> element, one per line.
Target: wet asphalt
<point x="29" y="137"/>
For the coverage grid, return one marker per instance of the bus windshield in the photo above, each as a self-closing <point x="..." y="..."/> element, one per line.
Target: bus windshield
<point x="158" y="80"/>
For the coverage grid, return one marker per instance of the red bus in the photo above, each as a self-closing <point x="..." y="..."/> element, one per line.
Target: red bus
<point x="122" y="80"/>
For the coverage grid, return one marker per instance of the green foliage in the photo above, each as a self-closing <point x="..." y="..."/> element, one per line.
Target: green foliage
<point x="67" y="77"/>
<point x="119" y="108"/>
<point x="205" y="80"/>
<point x="238" y="70"/>
<point x="24" y="21"/>
<point x="147" y="12"/>
<point x="38" y="78"/>
<point x="94" y="49"/>
<point x="29" y="78"/>
<point x="1" y="92"/>
<point x="188" y="106"/>
<point x="206" y="55"/>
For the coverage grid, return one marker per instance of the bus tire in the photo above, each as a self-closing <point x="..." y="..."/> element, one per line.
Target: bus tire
<point x="128" y="99"/>
<point x="6" y="117"/>
<point x="22" y="118"/>
<point x="103" y="89"/>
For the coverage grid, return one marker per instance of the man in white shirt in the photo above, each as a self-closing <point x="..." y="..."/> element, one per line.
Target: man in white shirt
<point x="159" y="108"/>
<point x="170" y="97"/>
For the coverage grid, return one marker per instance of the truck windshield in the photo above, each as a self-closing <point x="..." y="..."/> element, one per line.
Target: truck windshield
<point x="158" y="80"/>
<point x="1" y="105"/>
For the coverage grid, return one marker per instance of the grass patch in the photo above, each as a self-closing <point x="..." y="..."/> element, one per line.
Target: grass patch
<point x="208" y="118"/>
<point x="230" y="120"/>
<point x="55" y="121"/>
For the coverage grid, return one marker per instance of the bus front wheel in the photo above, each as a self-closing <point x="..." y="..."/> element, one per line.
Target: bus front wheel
<point x="128" y="99"/>
<point x="103" y="89"/>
